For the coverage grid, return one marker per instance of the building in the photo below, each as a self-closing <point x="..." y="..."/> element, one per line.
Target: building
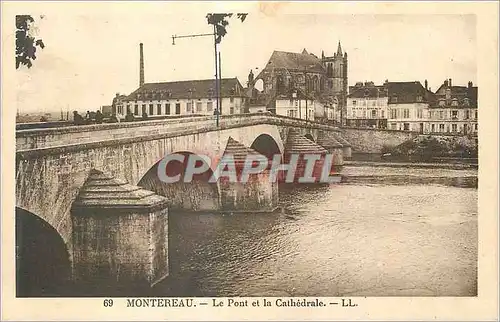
<point x="192" y="97"/>
<point x="408" y="104"/>
<point x="117" y="107"/>
<point x="323" y="79"/>
<point x="454" y="109"/>
<point x="185" y="98"/>
<point x="367" y="105"/>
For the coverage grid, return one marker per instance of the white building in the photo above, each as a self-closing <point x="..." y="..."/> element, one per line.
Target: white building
<point x="195" y="97"/>
<point x="409" y="106"/>
<point x="367" y="105"/>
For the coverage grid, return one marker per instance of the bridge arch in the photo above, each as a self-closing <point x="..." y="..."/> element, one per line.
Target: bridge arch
<point x="198" y="195"/>
<point x="43" y="266"/>
<point x="265" y="144"/>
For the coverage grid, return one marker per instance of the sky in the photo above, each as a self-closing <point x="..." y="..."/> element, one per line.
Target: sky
<point x="89" y="57"/>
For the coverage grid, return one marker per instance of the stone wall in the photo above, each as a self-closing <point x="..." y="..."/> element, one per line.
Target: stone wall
<point x="373" y="140"/>
<point x="120" y="247"/>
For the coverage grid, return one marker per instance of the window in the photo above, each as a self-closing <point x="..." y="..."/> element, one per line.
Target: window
<point x="231" y="110"/>
<point x="406" y="126"/>
<point x="394" y="126"/>
<point x="198" y="106"/>
<point x="120" y="109"/>
<point x="420" y="113"/>
<point x="374" y="103"/>
<point x="374" y="114"/>
<point x="231" y="99"/>
<point x="475" y="126"/>
<point x="406" y="113"/>
<point x="210" y="105"/>
<point x="364" y="113"/>
<point x="475" y="115"/>
<point x="419" y="98"/>
<point x="189" y="107"/>
<point x="454" y="115"/>
<point x="151" y="109"/>
<point x="177" y="108"/>
<point x="167" y="109"/>
<point x="441" y="127"/>
<point x="383" y="114"/>
<point x="433" y="128"/>
<point x="143" y="108"/>
<point x="136" y="109"/>
<point x="441" y="102"/>
<point x="393" y="114"/>
<point x="354" y="103"/>
<point x="158" y="109"/>
<point x="467" y="114"/>
<point x="454" y="102"/>
<point x="394" y="99"/>
<point x="441" y="115"/>
<point x="453" y="127"/>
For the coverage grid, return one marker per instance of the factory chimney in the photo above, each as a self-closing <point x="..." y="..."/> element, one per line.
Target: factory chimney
<point x="141" y="65"/>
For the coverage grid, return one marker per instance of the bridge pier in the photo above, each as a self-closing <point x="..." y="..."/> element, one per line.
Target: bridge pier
<point x="120" y="233"/>
<point x="258" y="194"/>
<point x="334" y="147"/>
<point x="299" y="145"/>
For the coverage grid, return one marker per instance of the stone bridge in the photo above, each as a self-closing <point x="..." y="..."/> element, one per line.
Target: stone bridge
<point x="96" y="186"/>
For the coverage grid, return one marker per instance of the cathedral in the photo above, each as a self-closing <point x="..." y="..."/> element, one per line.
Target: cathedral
<point x="324" y="79"/>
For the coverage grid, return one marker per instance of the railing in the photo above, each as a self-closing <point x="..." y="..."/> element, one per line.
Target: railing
<point x="149" y="130"/>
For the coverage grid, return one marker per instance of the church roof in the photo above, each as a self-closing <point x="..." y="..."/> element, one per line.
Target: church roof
<point x="230" y="87"/>
<point x="294" y="62"/>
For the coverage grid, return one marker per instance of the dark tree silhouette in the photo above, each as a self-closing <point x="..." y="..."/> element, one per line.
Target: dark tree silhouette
<point x="220" y="22"/>
<point x="25" y="43"/>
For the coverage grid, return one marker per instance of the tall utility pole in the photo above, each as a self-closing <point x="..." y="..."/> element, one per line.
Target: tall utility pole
<point x="217" y="91"/>
<point x="220" y="90"/>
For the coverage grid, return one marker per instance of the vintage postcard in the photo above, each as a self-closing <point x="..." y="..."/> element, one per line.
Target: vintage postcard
<point x="249" y="160"/>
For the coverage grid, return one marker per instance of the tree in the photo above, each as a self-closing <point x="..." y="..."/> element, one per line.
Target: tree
<point x="25" y="42"/>
<point x="219" y="20"/>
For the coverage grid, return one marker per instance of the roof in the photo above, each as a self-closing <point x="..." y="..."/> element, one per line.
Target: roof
<point x="104" y="191"/>
<point x="465" y="95"/>
<point x="294" y="62"/>
<point x="230" y="87"/>
<point x="407" y="92"/>
<point x="367" y="91"/>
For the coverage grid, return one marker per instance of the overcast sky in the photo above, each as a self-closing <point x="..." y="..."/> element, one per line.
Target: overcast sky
<point x="90" y="57"/>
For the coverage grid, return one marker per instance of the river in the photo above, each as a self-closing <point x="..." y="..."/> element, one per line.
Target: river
<point x="383" y="232"/>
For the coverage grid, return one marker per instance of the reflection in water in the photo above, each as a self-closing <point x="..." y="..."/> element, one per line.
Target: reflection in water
<point x="386" y="232"/>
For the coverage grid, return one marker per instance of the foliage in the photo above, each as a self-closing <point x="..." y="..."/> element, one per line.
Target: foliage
<point x="25" y="43"/>
<point x="219" y="20"/>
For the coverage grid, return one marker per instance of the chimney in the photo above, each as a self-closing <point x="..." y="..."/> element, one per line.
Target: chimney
<point x="445" y="83"/>
<point x="449" y="83"/>
<point x="470" y="85"/>
<point x="141" y="65"/>
<point x="426" y="84"/>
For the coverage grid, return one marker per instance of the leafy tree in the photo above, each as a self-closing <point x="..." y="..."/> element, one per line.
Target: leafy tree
<point x="25" y="43"/>
<point x="219" y="20"/>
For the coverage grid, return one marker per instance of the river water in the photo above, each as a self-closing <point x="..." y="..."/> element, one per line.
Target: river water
<point x="383" y="232"/>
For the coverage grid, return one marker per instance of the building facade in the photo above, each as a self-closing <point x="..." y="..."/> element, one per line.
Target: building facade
<point x="454" y="109"/>
<point x="408" y="106"/>
<point x="323" y="79"/>
<point x="195" y="97"/>
<point x="367" y="105"/>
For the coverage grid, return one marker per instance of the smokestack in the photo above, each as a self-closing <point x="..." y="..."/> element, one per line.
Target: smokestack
<point x="141" y="66"/>
<point x="426" y="84"/>
<point x="449" y="81"/>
